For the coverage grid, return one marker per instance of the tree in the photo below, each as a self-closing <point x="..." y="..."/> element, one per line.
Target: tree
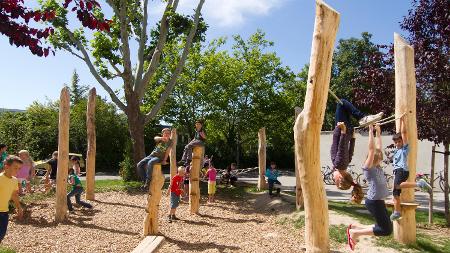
<point x="77" y="91"/>
<point x="108" y="55"/>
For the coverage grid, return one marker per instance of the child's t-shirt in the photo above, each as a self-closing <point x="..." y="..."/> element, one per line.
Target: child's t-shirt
<point x="76" y="180"/>
<point x="271" y="174"/>
<point x="378" y="189"/>
<point x="161" y="148"/>
<point x="175" y="185"/>
<point x="8" y="186"/>
<point x="3" y="158"/>
<point x="211" y="174"/>
<point x="24" y="171"/>
<point x="198" y="136"/>
<point x="401" y="158"/>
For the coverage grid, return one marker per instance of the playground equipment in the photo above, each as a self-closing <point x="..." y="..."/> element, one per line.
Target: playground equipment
<point x="91" y="145"/>
<point x="307" y="129"/>
<point x="298" y="187"/>
<point x="151" y="222"/>
<point x="262" y="159"/>
<point x="173" y="153"/>
<point x="194" y="187"/>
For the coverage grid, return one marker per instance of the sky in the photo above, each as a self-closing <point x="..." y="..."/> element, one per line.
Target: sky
<point x="288" y="23"/>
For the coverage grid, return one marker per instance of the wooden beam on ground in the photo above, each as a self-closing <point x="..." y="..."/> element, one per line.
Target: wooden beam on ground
<point x="405" y="102"/>
<point x="63" y="156"/>
<point x="194" y="187"/>
<point x="173" y="153"/>
<point x="91" y="145"/>
<point x="151" y="222"/>
<point x="308" y="126"/>
<point x="262" y="158"/>
<point x="298" y="187"/>
<point x="149" y="244"/>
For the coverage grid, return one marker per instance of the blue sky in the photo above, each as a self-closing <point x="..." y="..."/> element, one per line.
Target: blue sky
<point x="288" y="23"/>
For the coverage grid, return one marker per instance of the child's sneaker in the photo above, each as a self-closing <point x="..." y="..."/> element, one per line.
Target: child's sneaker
<point x="424" y="186"/>
<point x="278" y="191"/>
<point x="174" y="217"/>
<point x="369" y="119"/>
<point x="395" y="216"/>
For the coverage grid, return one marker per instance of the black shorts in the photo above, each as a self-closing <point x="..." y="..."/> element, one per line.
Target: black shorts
<point x="186" y="181"/>
<point x="400" y="176"/>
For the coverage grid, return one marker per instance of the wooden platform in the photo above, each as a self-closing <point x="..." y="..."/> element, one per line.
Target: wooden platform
<point x="403" y="204"/>
<point x="149" y="244"/>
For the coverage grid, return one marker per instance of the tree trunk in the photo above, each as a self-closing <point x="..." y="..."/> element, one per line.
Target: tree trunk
<point x="446" y="189"/>
<point x="136" y="128"/>
<point x="173" y="153"/>
<point x="307" y="129"/>
<point x="92" y="147"/>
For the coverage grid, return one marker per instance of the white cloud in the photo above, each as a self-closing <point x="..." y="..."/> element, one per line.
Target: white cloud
<point x="227" y="13"/>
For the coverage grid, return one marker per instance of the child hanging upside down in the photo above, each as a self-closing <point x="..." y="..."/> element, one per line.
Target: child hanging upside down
<point x="344" y="143"/>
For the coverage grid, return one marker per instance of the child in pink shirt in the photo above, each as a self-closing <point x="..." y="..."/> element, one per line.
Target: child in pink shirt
<point x="211" y="175"/>
<point x="26" y="171"/>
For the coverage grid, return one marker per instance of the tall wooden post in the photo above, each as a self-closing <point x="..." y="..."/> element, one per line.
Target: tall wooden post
<point x="194" y="187"/>
<point x="308" y="126"/>
<point x="430" y="203"/>
<point x="298" y="187"/>
<point x="446" y="186"/>
<point x="405" y="101"/>
<point x="91" y="145"/>
<point x="63" y="155"/>
<point x="262" y="158"/>
<point x="151" y="223"/>
<point x="173" y="153"/>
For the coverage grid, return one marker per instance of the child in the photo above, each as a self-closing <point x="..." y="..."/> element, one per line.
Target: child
<point x="9" y="190"/>
<point x="272" y="178"/>
<point x="211" y="174"/>
<point x="158" y="155"/>
<point x="228" y="175"/>
<point x="50" y="176"/>
<point x="76" y="191"/>
<point x="3" y="155"/>
<point x="199" y="140"/>
<point x="76" y="165"/>
<point x="376" y="193"/>
<point x="26" y="171"/>
<point x="175" y="192"/>
<point x="186" y="184"/>
<point x="401" y="172"/>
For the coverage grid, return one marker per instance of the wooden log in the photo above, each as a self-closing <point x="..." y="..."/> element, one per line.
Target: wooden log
<point x="149" y="244"/>
<point x="308" y="126"/>
<point x="298" y="187"/>
<point x="92" y="146"/>
<point x="430" y="203"/>
<point x="151" y="222"/>
<point x="262" y="159"/>
<point x="173" y="153"/>
<point x="405" y="101"/>
<point x="63" y="156"/>
<point x="194" y="187"/>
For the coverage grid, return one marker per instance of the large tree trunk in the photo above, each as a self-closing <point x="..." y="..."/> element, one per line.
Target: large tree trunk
<point x="136" y="128"/>
<point x="446" y="189"/>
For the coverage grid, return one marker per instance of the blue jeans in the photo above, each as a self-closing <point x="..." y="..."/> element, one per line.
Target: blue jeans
<point x="271" y="184"/>
<point x="145" y="167"/>
<point x="187" y="153"/>
<point x="77" y="193"/>
<point x="344" y="111"/>
<point x="3" y="224"/>
<point x="377" y="208"/>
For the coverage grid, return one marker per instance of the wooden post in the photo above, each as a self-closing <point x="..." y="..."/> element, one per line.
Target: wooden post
<point x="92" y="146"/>
<point x="405" y="101"/>
<point x="173" y="153"/>
<point x="262" y="159"/>
<point x="308" y="126"/>
<point x="298" y="187"/>
<point x="63" y="155"/>
<point x="151" y="223"/>
<point x="430" y="203"/>
<point x="194" y="187"/>
<point x="446" y="186"/>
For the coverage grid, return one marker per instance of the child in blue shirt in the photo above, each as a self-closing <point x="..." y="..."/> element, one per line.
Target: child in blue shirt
<point x="272" y="177"/>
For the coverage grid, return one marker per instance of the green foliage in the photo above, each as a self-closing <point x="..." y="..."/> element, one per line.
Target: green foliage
<point x="6" y="250"/>
<point x="77" y="91"/>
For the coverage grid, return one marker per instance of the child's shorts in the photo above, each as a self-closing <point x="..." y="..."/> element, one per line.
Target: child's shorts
<point x="211" y="187"/>
<point x="400" y="176"/>
<point x="174" y="200"/>
<point x="186" y="181"/>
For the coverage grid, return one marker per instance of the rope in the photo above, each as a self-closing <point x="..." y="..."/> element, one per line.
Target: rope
<point x="335" y="97"/>
<point x="384" y="121"/>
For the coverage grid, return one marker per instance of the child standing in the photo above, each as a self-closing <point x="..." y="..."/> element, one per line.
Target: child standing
<point x="211" y="174"/>
<point x="199" y="140"/>
<point x="26" y="172"/>
<point x="175" y="192"/>
<point x="272" y="177"/>
<point x="158" y="155"/>
<point x="76" y="191"/>
<point x="401" y="171"/>
<point x="9" y="190"/>
<point x="3" y="155"/>
<point x="76" y="165"/>
<point x="376" y="193"/>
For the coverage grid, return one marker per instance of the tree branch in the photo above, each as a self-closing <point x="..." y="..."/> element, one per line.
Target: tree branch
<point x="127" y="72"/>
<point x="94" y="72"/>
<point x="68" y="49"/>
<point x="163" y="31"/>
<point x="179" y="68"/>
<point x="142" y="42"/>
<point x="118" y="72"/>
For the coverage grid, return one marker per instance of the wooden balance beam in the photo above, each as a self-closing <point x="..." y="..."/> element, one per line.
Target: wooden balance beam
<point x="149" y="244"/>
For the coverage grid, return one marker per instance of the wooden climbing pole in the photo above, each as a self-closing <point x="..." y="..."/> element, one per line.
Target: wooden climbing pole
<point x="63" y="155"/>
<point x="173" y="153"/>
<point x="151" y="222"/>
<point x="194" y="187"/>
<point x="405" y="101"/>
<point x="91" y="145"/>
<point x="298" y="187"/>
<point x="262" y="158"/>
<point x="308" y="126"/>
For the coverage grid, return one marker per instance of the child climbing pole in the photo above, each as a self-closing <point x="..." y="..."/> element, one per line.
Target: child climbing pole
<point x="199" y="140"/>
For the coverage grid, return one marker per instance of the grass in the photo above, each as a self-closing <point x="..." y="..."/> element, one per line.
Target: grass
<point x="337" y="233"/>
<point x="6" y="250"/>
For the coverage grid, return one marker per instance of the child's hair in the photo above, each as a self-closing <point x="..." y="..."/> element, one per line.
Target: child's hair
<point x="273" y="163"/>
<point x="55" y="154"/>
<point x="181" y="168"/>
<point x="233" y="164"/>
<point x="357" y="194"/>
<point x="378" y="157"/>
<point x="346" y="182"/>
<point x="71" y="171"/>
<point x="397" y="136"/>
<point x="199" y="121"/>
<point x="3" y="145"/>
<point x="30" y="160"/>
<point x="75" y="158"/>
<point x="12" y="159"/>
<point x="165" y="130"/>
